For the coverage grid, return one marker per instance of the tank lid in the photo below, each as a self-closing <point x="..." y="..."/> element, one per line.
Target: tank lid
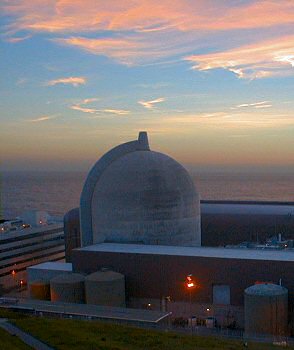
<point x="68" y="278"/>
<point x="104" y="275"/>
<point x="39" y="282"/>
<point x="266" y="289"/>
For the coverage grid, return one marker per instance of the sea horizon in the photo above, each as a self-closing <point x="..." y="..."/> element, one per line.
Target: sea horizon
<point x="59" y="191"/>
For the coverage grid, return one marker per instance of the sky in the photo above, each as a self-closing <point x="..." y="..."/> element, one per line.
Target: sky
<point x="212" y="82"/>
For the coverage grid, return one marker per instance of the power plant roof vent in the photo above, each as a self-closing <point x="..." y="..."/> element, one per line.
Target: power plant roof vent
<point x="143" y="143"/>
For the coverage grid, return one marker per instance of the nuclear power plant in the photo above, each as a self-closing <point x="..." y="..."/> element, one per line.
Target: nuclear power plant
<point x="135" y="242"/>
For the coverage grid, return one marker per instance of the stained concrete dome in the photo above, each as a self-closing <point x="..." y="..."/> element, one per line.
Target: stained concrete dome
<point x="135" y="195"/>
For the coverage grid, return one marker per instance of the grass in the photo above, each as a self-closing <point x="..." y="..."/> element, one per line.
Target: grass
<point x="89" y="335"/>
<point x="10" y="342"/>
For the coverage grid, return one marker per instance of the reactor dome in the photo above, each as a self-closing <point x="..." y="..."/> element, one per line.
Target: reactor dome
<point x="135" y="195"/>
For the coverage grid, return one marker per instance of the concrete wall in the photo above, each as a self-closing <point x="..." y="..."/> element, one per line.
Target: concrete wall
<point x="157" y="276"/>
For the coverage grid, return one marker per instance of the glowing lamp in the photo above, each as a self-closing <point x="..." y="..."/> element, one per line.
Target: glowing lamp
<point x="190" y="282"/>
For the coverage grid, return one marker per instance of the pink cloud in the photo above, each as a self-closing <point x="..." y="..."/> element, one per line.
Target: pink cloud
<point x="153" y="15"/>
<point x="263" y="59"/>
<point x="145" y="31"/>
<point x="74" y="81"/>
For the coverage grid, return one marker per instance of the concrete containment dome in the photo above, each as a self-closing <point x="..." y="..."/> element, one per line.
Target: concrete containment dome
<point x="135" y="195"/>
<point x="105" y="288"/>
<point x="68" y="288"/>
<point x="266" y="309"/>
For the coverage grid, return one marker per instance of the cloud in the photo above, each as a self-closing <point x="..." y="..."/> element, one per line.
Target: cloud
<point x="89" y="100"/>
<point x="260" y="60"/>
<point x="80" y="106"/>
<point x="150" y="104"/>
<point x="135" y="49"/>
<point x="146" y="16"/>
<point x="84" y="109"/>
<point x="42" y="118"/>
<point x="234" y="120"/>
<point x="18" y="39"/>
<point x="261" y="104"/>
<point x="146" y="31"/>
<point x="116" y="111"/>
<point x="74" y="81"/>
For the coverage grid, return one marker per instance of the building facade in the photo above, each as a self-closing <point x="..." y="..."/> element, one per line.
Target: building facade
<point x="30" y="246"/>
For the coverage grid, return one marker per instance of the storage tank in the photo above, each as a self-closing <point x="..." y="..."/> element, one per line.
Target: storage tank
<point x="69" y="288"/>
<point x="105" y="287"/>
<point x="39" y="290"/>
<point x="266" y="309"/>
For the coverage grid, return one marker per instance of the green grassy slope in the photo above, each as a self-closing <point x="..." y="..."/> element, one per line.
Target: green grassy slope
<point x="10" y="342"/>
<point x="72" y="334"/>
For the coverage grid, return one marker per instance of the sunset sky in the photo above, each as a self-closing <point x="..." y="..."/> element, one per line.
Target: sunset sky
<point x="211" y="81"/>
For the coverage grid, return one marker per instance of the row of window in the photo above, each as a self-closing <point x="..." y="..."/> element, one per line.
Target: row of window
<point x="23" y="264"/>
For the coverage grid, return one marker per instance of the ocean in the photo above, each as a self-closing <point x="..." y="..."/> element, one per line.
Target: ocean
<point x="58" y="192"/>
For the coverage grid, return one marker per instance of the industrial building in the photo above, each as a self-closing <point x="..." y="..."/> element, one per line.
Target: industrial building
<point x="140" y="238"/>
<point x="26" y="242"/>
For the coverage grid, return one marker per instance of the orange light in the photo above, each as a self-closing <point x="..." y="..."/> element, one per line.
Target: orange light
<point x="13" y="272"/>
<point x="190" y="282"/>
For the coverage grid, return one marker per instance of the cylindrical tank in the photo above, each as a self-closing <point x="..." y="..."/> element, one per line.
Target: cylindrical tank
<point x="69" y="288"/>
<point x="266" y="309"/>
<point x="105" y="288"/>
<point x="39" y="290"/>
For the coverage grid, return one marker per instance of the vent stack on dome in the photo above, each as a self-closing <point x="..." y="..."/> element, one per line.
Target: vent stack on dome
<point x="266" y="309"/>
<point x="106" y="288"/>
<point x="39" y="290"/>
<point x="68" y="288"/>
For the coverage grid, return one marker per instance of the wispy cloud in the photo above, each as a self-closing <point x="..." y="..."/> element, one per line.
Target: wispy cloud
<point x="260" y="60"/>
<point x="148" y="30"/>
<point x="42" y="118"/>
<point x="116" y="111"/>
<point x="261" y="104"/>
<point x="90" y="100"/>
<point x="74" y="81"/>
<point x="232" y="120"/>
<point x="81" y="106"/>
<point x="146" y="15"/>
<point x="84" y="109"/>
<point x="150" y="104"/>
<point x="17" y="39"/>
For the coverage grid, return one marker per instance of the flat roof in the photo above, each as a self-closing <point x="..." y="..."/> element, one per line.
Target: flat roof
<point x="205" y="252"/>
<point x="95" y="311"/>
<point x="247" y="209"/>
<point x="59" y="266"/>
<point x="30" y="230"/>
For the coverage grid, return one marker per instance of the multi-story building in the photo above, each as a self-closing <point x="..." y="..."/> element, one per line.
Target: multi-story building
<point x="23" y="247"/>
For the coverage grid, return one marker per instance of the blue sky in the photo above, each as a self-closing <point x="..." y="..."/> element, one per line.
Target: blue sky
<point x="211" y="82"/>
